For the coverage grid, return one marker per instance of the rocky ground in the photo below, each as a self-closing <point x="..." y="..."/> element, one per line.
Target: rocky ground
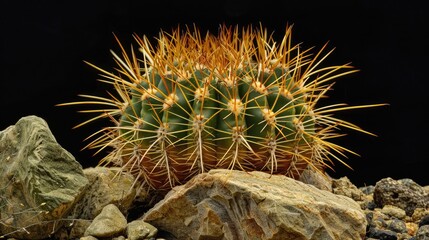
<point x="45" y="194"/>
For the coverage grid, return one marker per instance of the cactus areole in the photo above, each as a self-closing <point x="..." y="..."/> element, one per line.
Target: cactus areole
<point x="237" y="100"/>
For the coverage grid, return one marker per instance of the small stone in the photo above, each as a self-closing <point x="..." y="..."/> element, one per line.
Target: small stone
<point x="424" y="221"/>
<point x="109" y="223"/>
<point x="423" y="233"/>
<point x="367" y="203"/>
<point x="367" y="190"/>
<point x="139" y="230"/>
<point x="382" y="234"/>
<point x="379" y="219"/>
<point x="119" y="238"/>
<point x="88" y="238"/>
<point x="371" y="205"/>
<point x="369" y="215"/>
<point x="403" y="236"/>
<point x="396" y="225"/>
<point x="412" y="228"/>
<point x="418" y="214"/>
<point x="393" y="211"/>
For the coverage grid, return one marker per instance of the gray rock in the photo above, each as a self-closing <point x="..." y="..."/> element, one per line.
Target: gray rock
<point x="367" y="190"/>
<point x="405" y="194"/>
<point x="226" y="204"/>
<point x="40" y="181"/>
<point x="424" y="221"/>
<point x="423" y="233"/>
<point x="396" y="225"/>
<point x="109" y="223"/>
<point x="140" y="230"/>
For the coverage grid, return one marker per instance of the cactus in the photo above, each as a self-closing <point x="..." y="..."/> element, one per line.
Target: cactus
<point x="237" y="100"/>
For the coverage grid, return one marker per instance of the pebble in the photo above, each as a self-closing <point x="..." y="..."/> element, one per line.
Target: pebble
<point x="110" y="222"/>
<point x="423" y="233"/>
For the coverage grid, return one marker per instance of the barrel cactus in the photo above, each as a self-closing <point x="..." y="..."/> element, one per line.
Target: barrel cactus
<point x="236" y="100"/>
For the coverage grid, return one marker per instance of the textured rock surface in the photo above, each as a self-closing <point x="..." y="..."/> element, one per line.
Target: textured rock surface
<point x="40" y="181"/>
<point x="423" y="233"/>
<point x="318" y="179"/>
<point x="392" y="221"/>
<point x="138" y="230"/>
<point x="343" y="186"/>
<point x="404" y="193"/>
<point x="225" y="204"/>
<point x="109" y="223"/>
<point x="106" y="186"/>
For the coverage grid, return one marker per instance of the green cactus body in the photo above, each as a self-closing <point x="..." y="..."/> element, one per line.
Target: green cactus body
<point x="237" y="100"/>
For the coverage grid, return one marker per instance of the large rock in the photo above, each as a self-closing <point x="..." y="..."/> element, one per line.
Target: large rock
<point x="40" y="181"/>
<point x="403" y="193"/>
<point x="225" y="204"/>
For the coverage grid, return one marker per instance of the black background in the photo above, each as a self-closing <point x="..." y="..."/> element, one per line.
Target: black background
<point x="44" y="44"/>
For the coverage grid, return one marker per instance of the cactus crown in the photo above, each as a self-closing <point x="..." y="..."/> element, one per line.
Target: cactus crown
<point x="237" y="100"/>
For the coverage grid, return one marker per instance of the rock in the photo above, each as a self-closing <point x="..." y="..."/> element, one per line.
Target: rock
<point x="405" y="194"/>
<point x="88" y="238"/>
<point x="419" y="214"/>
<point x="367" y="190"/>
<point x="140" y="230"/>
<point x="393" y="211"/>
<point x="122" y="238"/>
<point x="404" y="236"/>
<point x="396" y="225"/>
<point x="106" y="186"/>
<point x="382" y="234"/>
<point x="109" y="223"/>
<point x="424" y="221"/>
<point x="229" y="204"/>
<point x="377" y="219"/>
<point x="40" y="181"/>
<point x="423" y="233"/>
<point x="316" y="178"/>
<point x="412" y="228"/>
<point x="343" y="186"/>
